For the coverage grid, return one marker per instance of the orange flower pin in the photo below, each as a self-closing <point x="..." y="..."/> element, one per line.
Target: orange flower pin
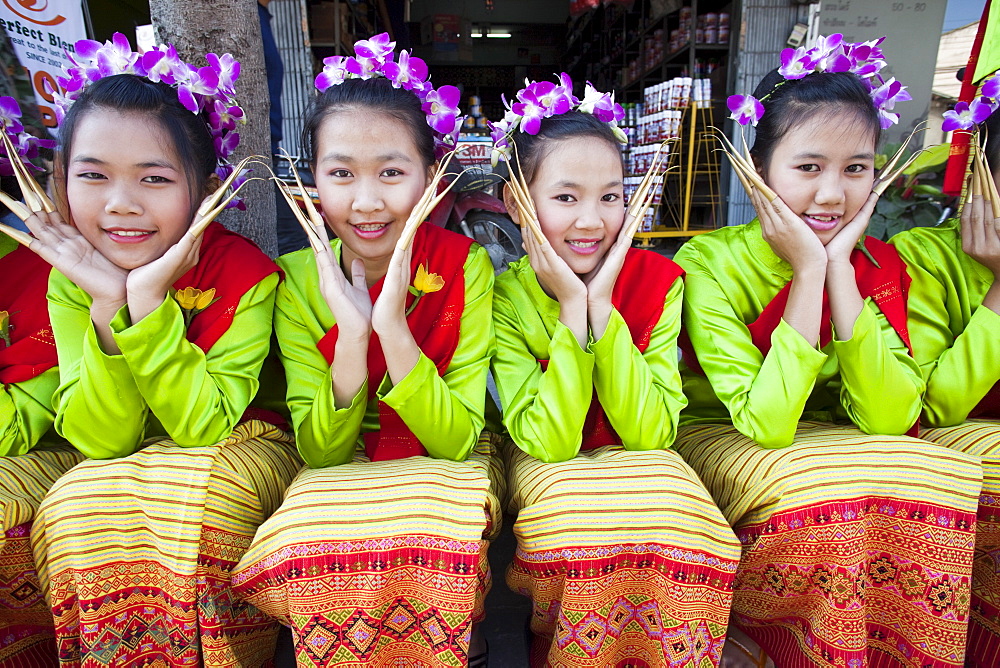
<point x="193" y="301"/>
<point x="424" y="283"/>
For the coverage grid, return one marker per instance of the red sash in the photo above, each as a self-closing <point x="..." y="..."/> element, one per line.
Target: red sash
<point x="435" y="324"/>
<point x="24" y="279"/>
<point x="887" y="286"/>
<point x="639" y="295"/>
<point x="231" y="264"/>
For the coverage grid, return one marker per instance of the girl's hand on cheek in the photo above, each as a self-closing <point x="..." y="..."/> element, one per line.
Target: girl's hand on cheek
<point x="350" y="303"/>
<point x="840" y="247"/>
<point x="789" y="237"/>
<point x="388" y="314"/>
<point x="553" y="274"/>
<point x="67" y="250"/>
<point x="981" y="234"/>
<point x="601" y="283"/>
<point x="147" y="286"/>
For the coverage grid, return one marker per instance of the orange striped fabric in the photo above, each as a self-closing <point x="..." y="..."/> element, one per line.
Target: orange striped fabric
<point x="625" y="556"/>
<point x="857" y="548"/>
<point x="136" y="552"/>
<point x="379" y="563"/>
<point x="27" y="633"/>
<point x="981" y="438"/>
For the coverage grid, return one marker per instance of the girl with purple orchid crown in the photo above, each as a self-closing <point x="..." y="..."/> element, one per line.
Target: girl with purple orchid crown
<point x="377" y="556"/>
<point x="954" y="307"/>
<point x="857" y="540"/>
<point x="625" y="556"/>
<point x="161" y="333"/>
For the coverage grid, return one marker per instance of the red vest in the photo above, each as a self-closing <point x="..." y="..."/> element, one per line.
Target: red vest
<point x="639" y="295"/>
<point x="887" y="285"/>
<point x="436" y="327"/>
<point x="24" y="279"/>
<point x="231" y="264"/>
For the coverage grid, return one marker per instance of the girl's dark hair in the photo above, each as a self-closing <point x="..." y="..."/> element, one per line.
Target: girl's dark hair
<point x="530" y="149"/>
<point x="990" y="135"/>
<point x="127" y="93"/>
<point x="796" y="101"/>
<point x="377" y="95"/>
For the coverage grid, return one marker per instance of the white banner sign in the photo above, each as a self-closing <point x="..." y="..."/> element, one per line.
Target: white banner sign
<point x="42" y="31"/>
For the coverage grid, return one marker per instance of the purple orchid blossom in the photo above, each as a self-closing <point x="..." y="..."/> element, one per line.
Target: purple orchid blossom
<point x="441" y="107"/>
<point x="225" y="145"/>
<point x="745" y="108"/>
<point x="27" y="145"/>
<point x="796" y="63"/>
<point x="965" y="115"/>
<point x="409" y="72"/>
<point x="991" y="87"/>
<point x="10" y="113"/>
<point x="200" y="82"/>
<point x="227" y="70"/>
<point x="163" y="64"/>
<point x="378" y="47"/>
<point x="116" y="57"/>
<point x="334" y="72"/>
<point x="885" y="98"/>
<point x="223" y="117"/>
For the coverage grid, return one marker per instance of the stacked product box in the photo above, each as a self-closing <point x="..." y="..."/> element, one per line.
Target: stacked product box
<point x="710" y="28"/>
<point x="658" y="118"/>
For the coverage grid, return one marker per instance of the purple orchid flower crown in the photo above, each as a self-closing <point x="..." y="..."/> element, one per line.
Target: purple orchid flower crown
<point x="832" y="54"/>
<point x="373" y="57"/>
<point x="967" y="115"/>
<point x="208" y="92"/>
<point x="27" y="145"/>
<point x="543" y="99"/>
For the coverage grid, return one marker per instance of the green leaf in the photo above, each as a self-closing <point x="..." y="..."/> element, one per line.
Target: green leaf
<point x="876" y="226"/>
<point x="890" y="205"/>
<point x="930" y="160"/>
<point x="414" y="291"/>
<point x="932" y="191"/>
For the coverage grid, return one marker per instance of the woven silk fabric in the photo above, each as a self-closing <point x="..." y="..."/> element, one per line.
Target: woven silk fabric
<point x="27" y="634"/>
<point x="137" y="552"/>
<point x="857" y="548"/>
<point x="625" y="556"/>
<point x="379" y="563"/>
<point x="981" y="438"/>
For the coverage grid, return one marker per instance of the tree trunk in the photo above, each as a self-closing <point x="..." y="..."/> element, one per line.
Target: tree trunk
<point x="197" y="27"/>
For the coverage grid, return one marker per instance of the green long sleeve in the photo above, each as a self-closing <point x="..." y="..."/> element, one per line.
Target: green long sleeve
<point x="868" y="378"/>
<point x="444" y="412"/>
<point x="955" y="342"/>
<point x="544" y="411"/>
<point x="26" y="412"/>
<point x="161" y="385"/>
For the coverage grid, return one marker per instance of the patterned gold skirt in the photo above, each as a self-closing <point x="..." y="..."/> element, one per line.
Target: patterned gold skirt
<point x="137" y="552"/>
<point x="981" y="438"/>
<point x="27" y="632"/>
<point x="857" y="549"/>
<point x="625" y="556"/>
<point x="379" y="563"/>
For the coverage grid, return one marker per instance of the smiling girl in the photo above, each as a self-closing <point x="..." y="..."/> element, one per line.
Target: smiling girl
<point x="378" y="554"/>
<point x="856" y="540"/>
<point x="615" y="532"/>
<point x="160" y="336"/>
<point x="955" y="321"/>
